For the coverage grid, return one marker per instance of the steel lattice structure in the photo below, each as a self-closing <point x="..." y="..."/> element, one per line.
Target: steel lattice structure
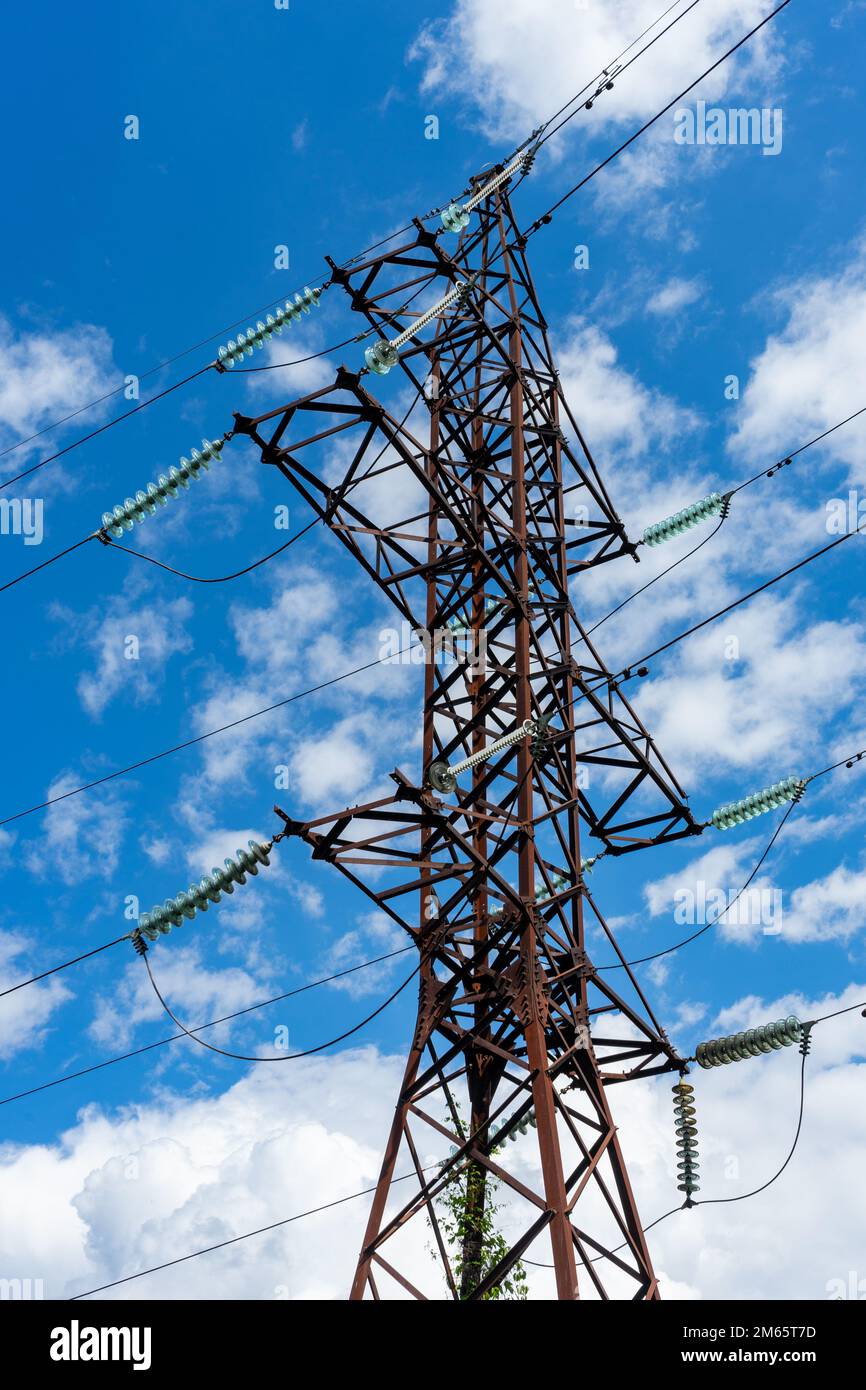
<point x="480" y="528"/>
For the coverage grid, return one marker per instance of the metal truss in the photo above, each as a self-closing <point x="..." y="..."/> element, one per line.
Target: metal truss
<point x="478" y="535"/>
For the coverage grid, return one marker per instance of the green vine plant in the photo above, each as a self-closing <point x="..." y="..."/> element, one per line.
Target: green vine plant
<point x="466" y="1211"/>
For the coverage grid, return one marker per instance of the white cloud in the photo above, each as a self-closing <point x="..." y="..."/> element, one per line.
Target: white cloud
<point x="674" y="296"/>
<point x="293" y="380"/>
<point x="811" y="373"/>
<point x="614" y="409"/>
<point x="226" y="756"/>
<point x="25" y="1015"/>
<point x="159" y="851"/>
<point x="48" y="374"/>
<point x="81" y="836"/>
<point x="273" y="637"/>
<point x="120" y="1191"/>
<point x="374" y="935"/>
<point x="790" y="681"/>
<point x="518" y="60"/>
<point x="722" y="865"/>
<point x="334" y="766"/>
<point x="133" y="640"/>
<point x="831" y="908"/>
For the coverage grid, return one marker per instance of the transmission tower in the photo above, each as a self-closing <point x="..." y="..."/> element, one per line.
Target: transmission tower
<point x="474" y="534"/>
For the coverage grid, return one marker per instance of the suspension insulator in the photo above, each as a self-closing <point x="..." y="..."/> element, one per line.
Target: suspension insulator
<point x="455" y="218"/>
<point x="753" y="1042"/>
<point x="735" y="812"/>
<point x="682" y="521"/>
<point x="160" y="920"/>
<point x="514" y="1131"/>
<point x="687" y="1138"/>
<point x="559" y="881"/>
<point x="461" y="626"/>
<point x="144" y="504"/>
<point x="381" y="357"/>
<point x="244" y="344"/>
<point x="528" y="1122"/>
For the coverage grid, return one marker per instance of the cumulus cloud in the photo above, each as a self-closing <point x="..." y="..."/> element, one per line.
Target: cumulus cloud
<point x="81" y="836"/>
<point x="194" y="991"/>
<point x="334" y="766"/>
<point x="615" y="410"/>
<point x="765" y="679"/>
<point x="121" y="1191"/>
<point x="118" y="1192"/>
<point x="26" y="1014"/>
<point x="133" y="641"/>
<point x="374" y="934"/>
<point x="810" y="374"/>
<point x="674" y="296"/>
<point x="48" y="374"/>
<point x="830" y="908"/>
<point x="521" y="59"/>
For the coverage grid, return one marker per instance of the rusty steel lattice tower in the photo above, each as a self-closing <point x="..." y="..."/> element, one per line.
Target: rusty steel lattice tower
<point x="480" y="528"/>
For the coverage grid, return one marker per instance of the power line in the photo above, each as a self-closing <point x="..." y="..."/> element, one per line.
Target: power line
<point x="761" y="588"/>
<point x="311" y="357"/>
<point x="107" y="540"/>
<point x="10" y="583"/>
<point x="65" y="966"/>
<point x="606" y="71"/>
<point x="642" y="590"/>
<point x="247" y="1235"/>
<point x="168" y="362"/>
<point x="547" y="216"/>
<point x="221" y="579"/>
<point x="669" y="950"/>
<point x="109" y="424"/>
<point x="320" y="284"/>
<point x="770" y="472"/>
<point x="286" y="1056"/>
<point x="743" y="1196"/>
<point x="212" y="1023"/>
<point x="713" y="1201"/>
<point x="274" y="1225"/>
<point x="191" y="742"/>
<point x="837" y="1013"/>
<point x="639" y="667"/>
<point x="151" y="400"/>
<point x="139" y="555"/>
<point x="378" y="661"/>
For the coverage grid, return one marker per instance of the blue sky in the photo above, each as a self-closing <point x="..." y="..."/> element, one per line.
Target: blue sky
<point x="306" y="128"/>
